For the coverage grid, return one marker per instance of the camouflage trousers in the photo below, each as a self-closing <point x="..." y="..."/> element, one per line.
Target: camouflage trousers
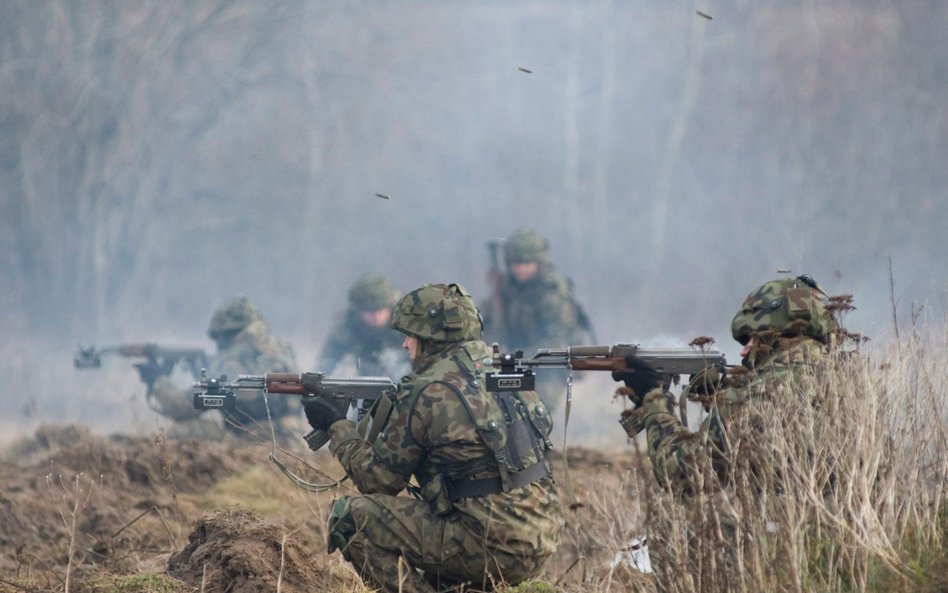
<point x="397" y="544"/>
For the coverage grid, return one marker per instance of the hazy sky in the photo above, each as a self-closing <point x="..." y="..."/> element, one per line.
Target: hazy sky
<point x="158" y="158"/>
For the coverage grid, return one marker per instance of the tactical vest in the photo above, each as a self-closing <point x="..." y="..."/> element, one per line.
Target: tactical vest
<point x="515" y="431"/>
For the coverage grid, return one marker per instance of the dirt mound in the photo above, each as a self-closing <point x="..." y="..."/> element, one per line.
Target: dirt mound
<point x="130" y="514"/>
<point x="123" y="462"/>
<point x="103" y="501"/>
<point x="238" y="552"/>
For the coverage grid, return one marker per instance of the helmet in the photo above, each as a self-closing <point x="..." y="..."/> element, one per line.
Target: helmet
<point x="438" y="312"/>
<point x="791" y="307"/>
<point x="372" y="293"/>
<point x="232" y="317"/>
<point x="526" y="245"/>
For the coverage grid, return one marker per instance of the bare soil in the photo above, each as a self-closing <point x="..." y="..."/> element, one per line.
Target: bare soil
<point x="83" y="512"/>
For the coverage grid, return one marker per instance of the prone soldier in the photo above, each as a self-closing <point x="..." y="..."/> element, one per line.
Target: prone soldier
<point x="244" y="345"/>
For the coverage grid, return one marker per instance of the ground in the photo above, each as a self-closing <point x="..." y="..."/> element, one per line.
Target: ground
<point x="82" y="512"/>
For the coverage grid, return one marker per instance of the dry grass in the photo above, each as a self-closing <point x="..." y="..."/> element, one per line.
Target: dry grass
<point x="841" y="489"/>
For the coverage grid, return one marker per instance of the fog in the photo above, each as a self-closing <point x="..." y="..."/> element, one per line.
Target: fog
<point x="159" y="158"/>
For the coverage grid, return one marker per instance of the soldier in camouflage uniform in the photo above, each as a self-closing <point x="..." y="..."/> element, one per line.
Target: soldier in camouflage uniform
<point x="786" y="331"/>
<point x="537" y="307"/>
<point x="485" y="509"/>
<point x="244" y="346"/>
<point x="363" y="333"/>
<point x="784" y="327"/>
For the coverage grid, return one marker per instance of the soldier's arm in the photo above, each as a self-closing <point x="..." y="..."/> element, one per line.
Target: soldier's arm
<point x="386" y="465"/>
<point x="671" y="446"/>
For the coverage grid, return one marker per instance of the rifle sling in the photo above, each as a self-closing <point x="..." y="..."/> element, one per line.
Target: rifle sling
<point x="458" y="489"/>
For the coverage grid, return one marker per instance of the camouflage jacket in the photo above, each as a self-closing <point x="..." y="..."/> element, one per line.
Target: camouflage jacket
<point x="540" y="313"/>
<point x="735" y="415"/>
<point x="430" y="435"/>
<point x="375" y="351"/>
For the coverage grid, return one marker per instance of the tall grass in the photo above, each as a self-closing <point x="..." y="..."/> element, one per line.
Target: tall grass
<point x="840" y="488"/>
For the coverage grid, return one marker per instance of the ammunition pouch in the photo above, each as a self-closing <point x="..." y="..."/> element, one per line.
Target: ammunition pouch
<point x="518" y="441"/>
<point x="633" y="422"/>
<point x="519" y="446"/>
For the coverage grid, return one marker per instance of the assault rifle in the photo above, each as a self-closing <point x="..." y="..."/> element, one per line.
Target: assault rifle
<point x="516" y="373"/>
<point x="158" y="361"/>
<point x="221" y="394"/>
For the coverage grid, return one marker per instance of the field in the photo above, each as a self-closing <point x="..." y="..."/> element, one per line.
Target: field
<point x="87" y="513"/>
<point x="81" y="512"/>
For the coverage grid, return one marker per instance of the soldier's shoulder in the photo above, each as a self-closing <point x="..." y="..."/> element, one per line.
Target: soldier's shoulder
<point x="460" y="369"/>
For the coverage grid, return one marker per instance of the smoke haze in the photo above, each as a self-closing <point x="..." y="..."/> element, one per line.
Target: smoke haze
<point x="159" y="158"/>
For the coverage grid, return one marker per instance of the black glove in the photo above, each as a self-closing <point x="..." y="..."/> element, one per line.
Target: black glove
<point x="708" y="381"/>
<point x="312" y="382"/>
<point x="152" y="370"/>
<point x="322" y="411"/>
<point x="638" y="376"/>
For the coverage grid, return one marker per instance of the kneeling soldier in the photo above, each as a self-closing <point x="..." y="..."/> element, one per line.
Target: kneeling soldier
<point x="486" y="508"/>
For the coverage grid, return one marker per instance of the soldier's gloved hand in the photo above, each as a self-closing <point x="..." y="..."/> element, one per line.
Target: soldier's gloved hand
<point x="640" y="377"/>
<point x="312" y="382"/>
<point x="150" y="371"/>
<point x="322" y="412"/>
<point x="708" y="381"/>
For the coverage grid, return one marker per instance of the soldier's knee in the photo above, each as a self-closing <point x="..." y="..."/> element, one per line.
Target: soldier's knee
<point x="342" y="526"/>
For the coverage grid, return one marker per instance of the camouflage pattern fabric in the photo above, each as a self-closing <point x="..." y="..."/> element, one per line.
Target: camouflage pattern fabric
<point x="372" y="293"/>
<point x="540" y="313"/>
<point x="255" y="350"/>
<point x="786" y="328"/>
<point x="249" y="348"/>
<point x="439" y="313"/>
<point x="375" y="352"/>
<point x="430" y="437"/>
<point x="526" y="245"/>
<point x="784" y="307"/>
<point x="672" y="448"/>
<point x="735" y="423"/>
<point x="232" y="317"/>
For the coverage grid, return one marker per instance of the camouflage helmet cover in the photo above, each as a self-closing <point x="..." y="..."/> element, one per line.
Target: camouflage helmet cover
<point x="439" y="313"/>
<point x="526" y="245"/>
<point x="790" y="306"/>
<point x="231" y="317"/>
<point x="372" y="293"/>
